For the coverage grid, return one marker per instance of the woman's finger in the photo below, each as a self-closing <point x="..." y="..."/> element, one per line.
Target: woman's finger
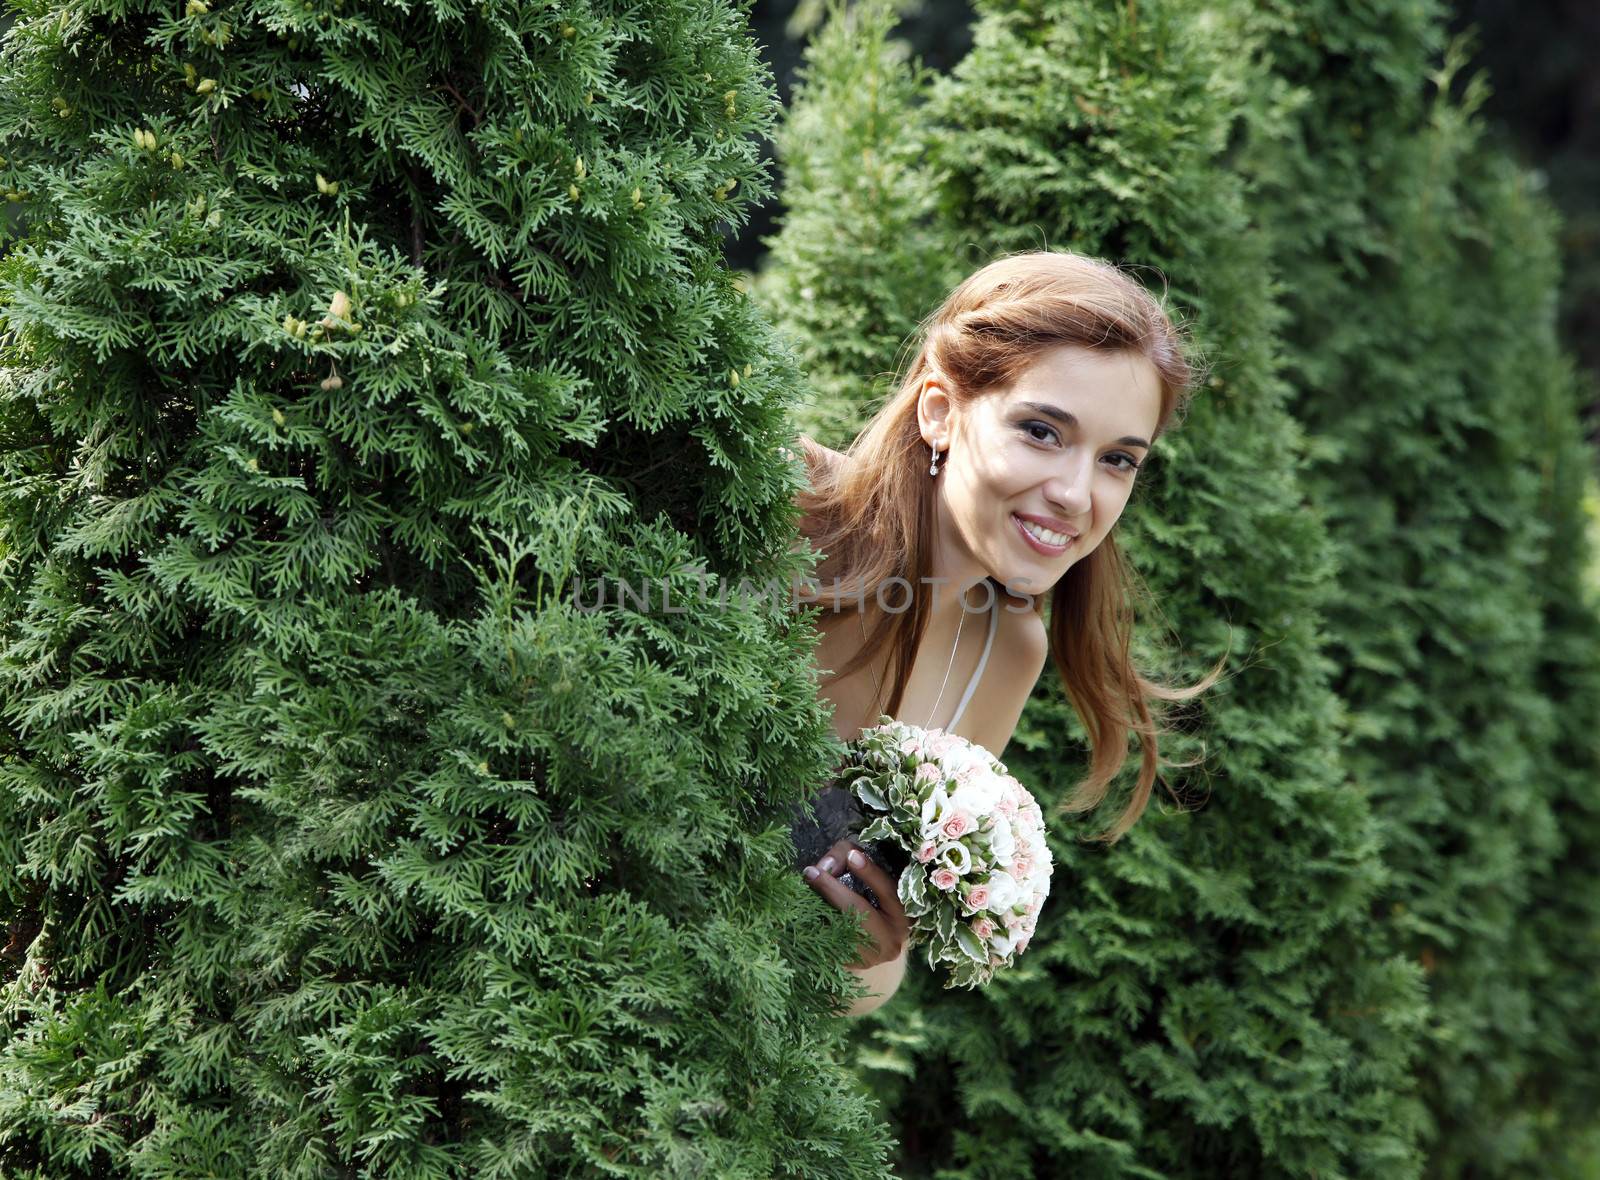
<point x="833" y="861"/>
<point x="839" y="895"/>
<point x="863" y="866"/>
<point x="842" y="897"/>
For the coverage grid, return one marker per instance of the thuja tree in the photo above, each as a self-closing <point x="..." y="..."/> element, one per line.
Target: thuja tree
<point x="1420" y="273"/>
<point x="341" y="836"/>
<point x="860" y="256"/>
<point x="1201" y="1000"/>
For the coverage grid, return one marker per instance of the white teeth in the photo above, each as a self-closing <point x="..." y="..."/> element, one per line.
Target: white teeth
<point x="1044" y="534"/>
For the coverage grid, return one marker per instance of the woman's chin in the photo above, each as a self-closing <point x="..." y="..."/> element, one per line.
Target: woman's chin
<point x="1035" y="577"/>
<point x="1027" y="580"/>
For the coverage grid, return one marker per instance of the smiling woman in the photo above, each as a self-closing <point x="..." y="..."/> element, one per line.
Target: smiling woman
<point x="1043" y="381"/>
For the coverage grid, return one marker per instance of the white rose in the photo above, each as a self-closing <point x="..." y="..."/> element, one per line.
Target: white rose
<point x="1001" y="841"/>
<point x="979" y="794"/>
<point x="955" y="756"/>
<point x="1004" y="892"/>
<point x="1002" y="940"/>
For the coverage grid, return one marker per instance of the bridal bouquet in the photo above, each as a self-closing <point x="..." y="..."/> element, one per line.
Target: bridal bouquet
<point x="980" y="867"/>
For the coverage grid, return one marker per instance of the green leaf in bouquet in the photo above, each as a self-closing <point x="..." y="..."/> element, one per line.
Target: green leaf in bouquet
<point x="969" y="944"/>
<point x="878" y="829"/>
<point x="913" y="887"/>
<point x="868" y="794"/>
<point x="968" y="975"/>
<point x="947" y="922"/>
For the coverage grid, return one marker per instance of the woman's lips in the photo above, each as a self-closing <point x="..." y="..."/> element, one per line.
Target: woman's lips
<point x="1040" y="546"/>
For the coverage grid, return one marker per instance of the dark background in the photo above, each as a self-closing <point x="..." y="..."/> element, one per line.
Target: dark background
<point x="1544" y="108"/>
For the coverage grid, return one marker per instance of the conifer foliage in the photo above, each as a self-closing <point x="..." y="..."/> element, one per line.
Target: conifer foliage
<point x="1420" y="274"/>
<point x="338" y="838"/>
<point x="1201" y="999"/>
<point x="861" y="256"/>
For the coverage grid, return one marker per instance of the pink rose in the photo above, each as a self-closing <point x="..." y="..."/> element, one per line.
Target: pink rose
<point x="1019" y="867"/>
<point x="978" y="897"/>
<point x="929" y="772"/>
<point x="944" y="878"/>
<point x="1007" y="807"/>
<point x="1022" y="944"/>
<point x="957" y="825"/>
<point x="911" y="746"/>
<point x="925" y="853"/>
<point x="983" y="928"/>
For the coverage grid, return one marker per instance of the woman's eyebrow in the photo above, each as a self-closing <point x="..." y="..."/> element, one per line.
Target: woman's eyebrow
<point x="1069" y="419"/>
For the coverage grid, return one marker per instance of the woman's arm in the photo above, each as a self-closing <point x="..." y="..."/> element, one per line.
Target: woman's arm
<point x="880" y="963"/>
<point x="882" y="982"/>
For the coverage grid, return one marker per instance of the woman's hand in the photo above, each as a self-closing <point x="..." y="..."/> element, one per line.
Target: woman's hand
<point x="888" y="929"/>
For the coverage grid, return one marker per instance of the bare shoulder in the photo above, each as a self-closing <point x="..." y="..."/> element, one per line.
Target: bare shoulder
<point x="1021" y="650"/>
<point x="817" y="454"/>
<point x="1025" y="635"/>
<point x="818" y="458"/>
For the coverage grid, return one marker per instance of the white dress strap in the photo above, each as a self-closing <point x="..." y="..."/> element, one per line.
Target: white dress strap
<point x="977" y="674"/>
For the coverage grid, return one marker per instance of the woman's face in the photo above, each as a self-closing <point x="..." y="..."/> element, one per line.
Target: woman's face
<point x="1060" y="444"/>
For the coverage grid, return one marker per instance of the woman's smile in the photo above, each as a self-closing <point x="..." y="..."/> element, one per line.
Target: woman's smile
<point x="1030" y="535"/>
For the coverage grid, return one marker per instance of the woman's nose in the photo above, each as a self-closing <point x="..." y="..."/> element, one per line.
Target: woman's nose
<point x="1068" y="499"/>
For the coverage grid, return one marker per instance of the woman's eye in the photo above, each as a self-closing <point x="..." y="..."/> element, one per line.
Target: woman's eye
<point x="1129" y="463"/>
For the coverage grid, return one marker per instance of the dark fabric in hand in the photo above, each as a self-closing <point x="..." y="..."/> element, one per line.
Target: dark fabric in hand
<point x="831" y="815"/>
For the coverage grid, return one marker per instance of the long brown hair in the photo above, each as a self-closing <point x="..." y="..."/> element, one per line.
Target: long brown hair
<point x="872" y="515"/>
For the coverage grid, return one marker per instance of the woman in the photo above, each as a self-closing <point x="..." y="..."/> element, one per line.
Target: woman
<point x="988" y="483"/>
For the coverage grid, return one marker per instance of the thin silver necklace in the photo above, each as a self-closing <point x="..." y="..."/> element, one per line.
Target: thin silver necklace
<point x="877" y="688"/>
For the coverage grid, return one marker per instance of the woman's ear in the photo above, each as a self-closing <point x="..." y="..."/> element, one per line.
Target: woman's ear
<point x="934" y="409"/>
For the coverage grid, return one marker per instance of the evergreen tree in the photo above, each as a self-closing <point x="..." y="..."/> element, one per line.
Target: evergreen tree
<point x="1200" y="1000"/>
<point x="860" y="258"/>
<point x="1420" y="273"/>
<point x="341" y="837"/>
